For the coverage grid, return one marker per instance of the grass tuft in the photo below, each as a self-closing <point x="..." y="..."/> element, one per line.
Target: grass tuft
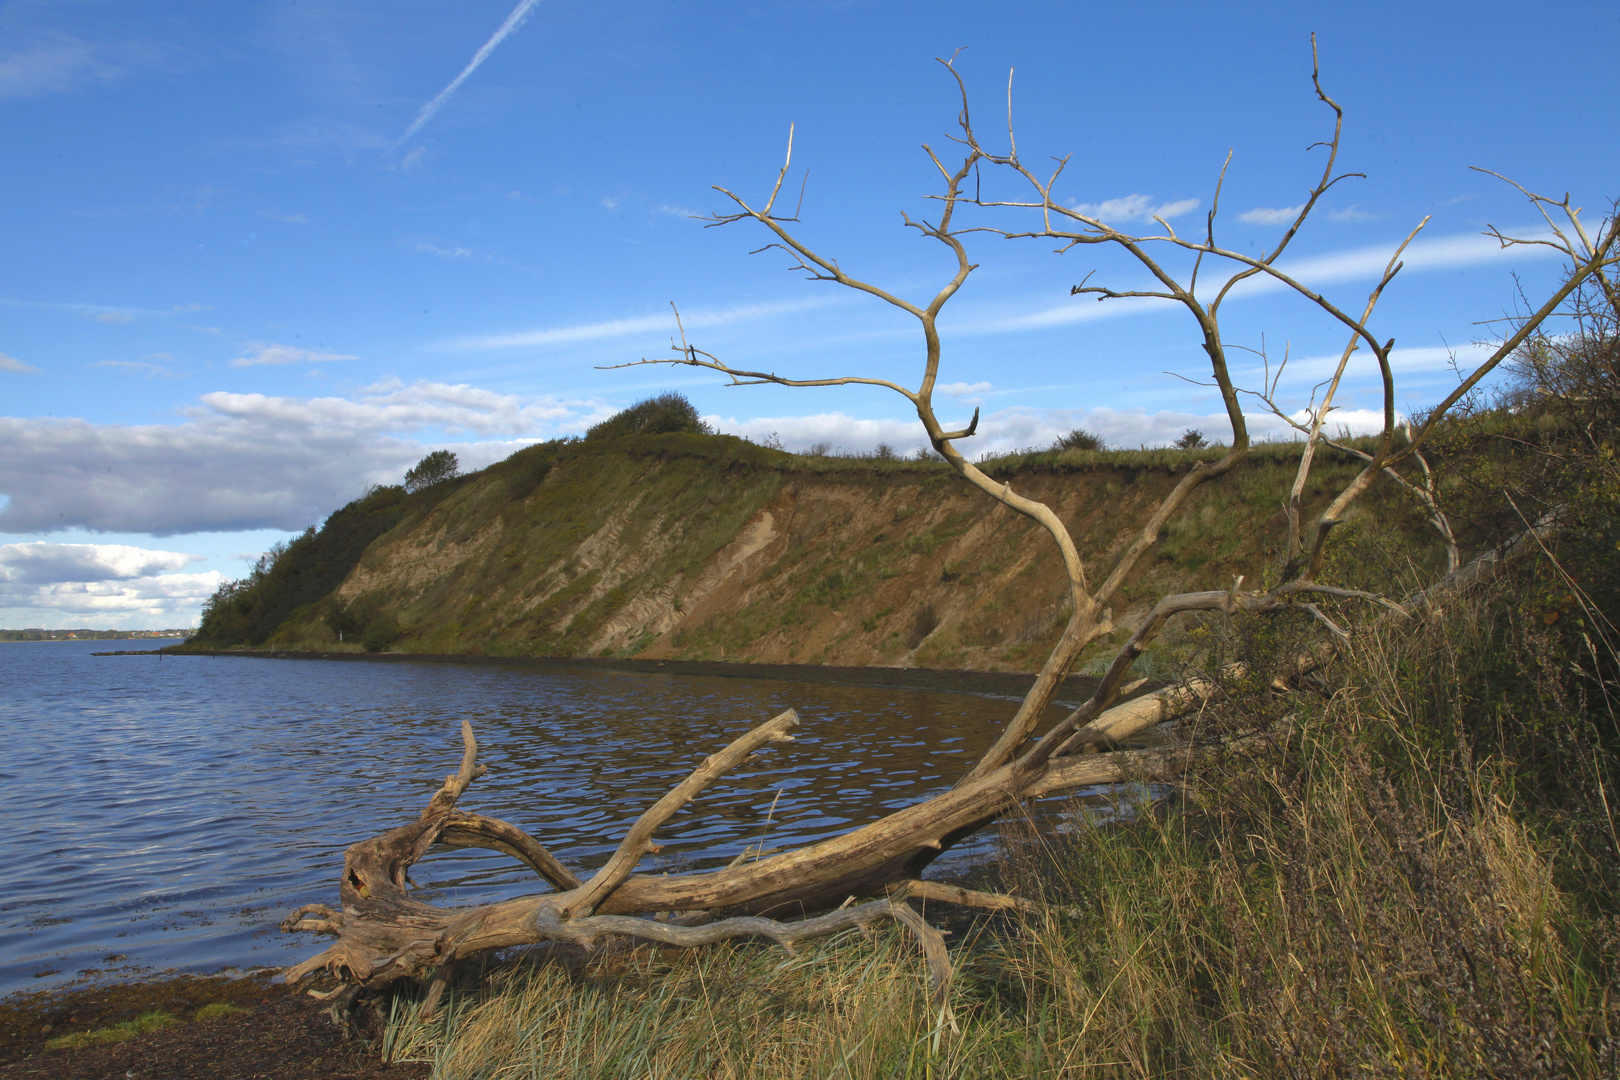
<point x="129" y="1029"/>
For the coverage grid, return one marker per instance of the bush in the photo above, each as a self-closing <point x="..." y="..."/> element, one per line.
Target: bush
<point x="382" y="632"/>
<point x="659" y="415"/>
<point x="437" y="467"/>
<point x="1191" y="439"/>
<point x="1080" y="439"/>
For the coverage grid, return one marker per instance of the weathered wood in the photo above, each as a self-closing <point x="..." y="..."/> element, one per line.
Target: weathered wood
<point x="638" y="841"/>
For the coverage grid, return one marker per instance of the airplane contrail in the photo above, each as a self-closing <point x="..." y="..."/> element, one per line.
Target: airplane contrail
<point x="513" y="21"/>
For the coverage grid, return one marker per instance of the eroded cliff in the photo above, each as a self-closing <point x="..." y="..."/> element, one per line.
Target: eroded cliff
<point x="709" y="547"/>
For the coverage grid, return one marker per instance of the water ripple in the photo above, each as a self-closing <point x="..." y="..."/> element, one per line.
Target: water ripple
<point x="167" y="813"/>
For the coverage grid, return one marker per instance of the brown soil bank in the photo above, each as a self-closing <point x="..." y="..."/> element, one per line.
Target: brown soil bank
<point x="708" y="548"/>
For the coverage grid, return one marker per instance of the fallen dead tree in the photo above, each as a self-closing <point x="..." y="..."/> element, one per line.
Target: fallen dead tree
<point x="383" y="935"/>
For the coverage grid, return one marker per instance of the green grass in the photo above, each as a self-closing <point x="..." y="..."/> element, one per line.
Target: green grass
<point x="129" y="1029"/>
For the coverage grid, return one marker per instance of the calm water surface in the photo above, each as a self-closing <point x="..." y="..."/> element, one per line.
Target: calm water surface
<point x="166" y="813"/>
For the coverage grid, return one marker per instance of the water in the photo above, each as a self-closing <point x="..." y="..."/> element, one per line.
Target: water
<point x="166" y="813"/>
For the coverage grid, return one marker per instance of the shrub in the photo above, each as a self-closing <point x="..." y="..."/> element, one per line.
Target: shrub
<point x="1191" y="439"/>
<point x="659" y="415"/>
<point x="382" y="632"/>
<point x="1080" y="439"/>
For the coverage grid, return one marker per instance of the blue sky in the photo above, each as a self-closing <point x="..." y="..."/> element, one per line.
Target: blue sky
<point x="263" y="254"/>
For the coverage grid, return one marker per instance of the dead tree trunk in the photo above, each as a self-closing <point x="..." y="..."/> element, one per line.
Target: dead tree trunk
<point x="383" y="935"/>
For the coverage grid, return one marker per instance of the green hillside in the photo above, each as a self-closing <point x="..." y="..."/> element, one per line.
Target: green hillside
<point x="697" y="546"/>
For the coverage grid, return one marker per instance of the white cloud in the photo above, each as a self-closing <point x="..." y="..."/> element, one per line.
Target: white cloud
<point x="55" y="62"/>
<point x="139" y="367"/>
<point x="961" y="389"/>
<point x="1080" y="309"/>
<point x="161" y="602"/>
<point x="1306" y="371"/>
<point x="678" y="211"/>
<point x="56" y="584"/>
<point x="1019" y="428"/>
<point x="1261" y="215"/>
<point x="1351" y="213"/>
<point x="270" y="353"/>
<point x="428" y="111"/>
<point x="457" y="252"/>
<point x="286" y="219"/>
<point x="1135" y="208"/>
<point x="252" y="461"/>
<point x="41" y="563"/>
<point x="115" y="317"/>
<point x="15" y="366"/>
<point x="643" y="324"/>
<point x="193" y="306"/>
<point x="1439" y="253"/>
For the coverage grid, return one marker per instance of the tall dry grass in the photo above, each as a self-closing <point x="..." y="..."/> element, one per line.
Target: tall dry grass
<point x="1408" y="873"/>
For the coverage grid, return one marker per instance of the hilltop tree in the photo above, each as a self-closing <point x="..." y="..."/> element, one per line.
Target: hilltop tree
<point x="383" y="935"/>
<point x="435" y="468"/>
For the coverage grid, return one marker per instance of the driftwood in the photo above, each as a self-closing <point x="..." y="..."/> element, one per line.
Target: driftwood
<point x="384" y="936"/>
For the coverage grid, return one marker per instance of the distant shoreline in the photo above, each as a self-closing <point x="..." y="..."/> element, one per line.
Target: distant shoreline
<point x="998" y="683"/>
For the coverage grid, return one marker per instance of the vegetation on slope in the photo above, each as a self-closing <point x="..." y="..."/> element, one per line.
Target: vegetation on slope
<point x="636" y="544"/>
<point x="1412" y="871"/>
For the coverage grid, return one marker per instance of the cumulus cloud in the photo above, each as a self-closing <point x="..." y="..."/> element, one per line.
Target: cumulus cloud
<point x="15" y="366"/>
<point x="253" y="461"/>
<point x="41" y="563"/>
<point x="47" y="584"/>
<point x="269" y="353"/>
<point x="1135" y="208"/>
<point x="1017" y="428"/>
<point x="1261" y="215"/>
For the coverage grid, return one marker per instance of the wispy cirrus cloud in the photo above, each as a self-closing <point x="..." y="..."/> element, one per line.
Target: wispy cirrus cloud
<point x="269" y="353"/>
<point x="52" y="61"/>
<point x="431" y="109"/>
<point x="15" y="366"/>
<point x="640" y="324"/>
<point x="142" y="367"/>
<point x="1328" y="268"/>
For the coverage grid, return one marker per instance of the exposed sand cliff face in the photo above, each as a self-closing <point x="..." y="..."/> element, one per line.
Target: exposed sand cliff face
<point x="708" y="548"/>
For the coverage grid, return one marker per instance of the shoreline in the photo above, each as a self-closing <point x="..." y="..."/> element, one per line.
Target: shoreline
<point x="948" y="680"/>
